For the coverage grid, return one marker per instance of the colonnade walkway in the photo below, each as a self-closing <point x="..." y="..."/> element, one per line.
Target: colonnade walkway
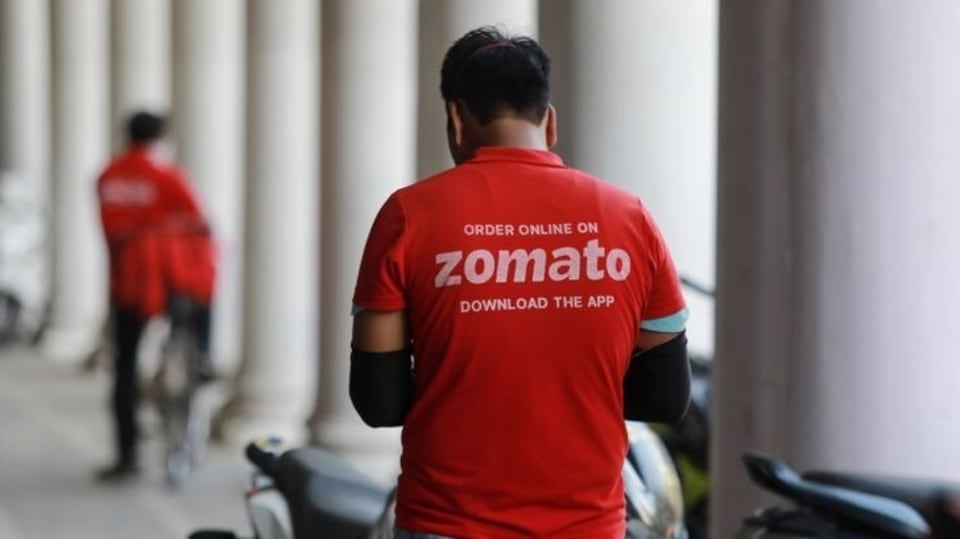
<point x="54" y="433"/>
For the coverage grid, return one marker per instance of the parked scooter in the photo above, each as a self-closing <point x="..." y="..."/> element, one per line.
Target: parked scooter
<point x="310" y="492"/>
<point x="846" y="506"/>
<point x="22" y="259"/>
<point x="688" y="441"/>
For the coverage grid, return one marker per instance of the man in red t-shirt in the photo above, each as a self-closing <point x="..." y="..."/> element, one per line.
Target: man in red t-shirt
<point x="539" y="306"/>
<point x="160" y="250"/>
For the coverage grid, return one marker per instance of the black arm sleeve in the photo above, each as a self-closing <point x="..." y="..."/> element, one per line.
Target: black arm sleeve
<point x="656" y="387"/>
<point x="381" y="386"/>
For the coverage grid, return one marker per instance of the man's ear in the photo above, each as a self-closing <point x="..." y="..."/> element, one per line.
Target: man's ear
<point x="551" y="126"/>
<point x="456" y="123"/>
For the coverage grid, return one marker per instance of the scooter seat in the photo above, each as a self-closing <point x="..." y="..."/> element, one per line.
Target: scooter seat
<point x="882" y="514"/>
<point x="327" y="496"/>
<point x="927" y="497"/>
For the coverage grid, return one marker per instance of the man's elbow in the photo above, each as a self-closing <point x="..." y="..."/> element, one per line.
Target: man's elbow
<point x="381" y="387"/>
<point x="656" y="387"/>
<point x="678" y="410"/>
<point x="668" y="410"/>
<point x="377" y="415"/>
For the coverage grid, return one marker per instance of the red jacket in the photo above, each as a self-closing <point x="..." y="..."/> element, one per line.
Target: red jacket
<point x="158" y="240"/>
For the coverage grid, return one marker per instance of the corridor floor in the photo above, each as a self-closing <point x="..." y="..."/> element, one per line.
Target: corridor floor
<point x="54" y="432"/>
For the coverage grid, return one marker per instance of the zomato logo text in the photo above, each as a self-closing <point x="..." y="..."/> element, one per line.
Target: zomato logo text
<point x="480" y="266"/>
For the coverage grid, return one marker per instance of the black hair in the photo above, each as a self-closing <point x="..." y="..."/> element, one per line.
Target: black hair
<point x="497" y="76"/>
<point x="145" y="127"/>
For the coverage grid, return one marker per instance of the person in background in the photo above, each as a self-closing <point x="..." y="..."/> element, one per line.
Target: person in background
<point x="509" y="314"/>
<point x="161" y="255"/>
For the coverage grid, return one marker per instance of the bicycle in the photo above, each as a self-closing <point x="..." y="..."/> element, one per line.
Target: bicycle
<point x="185" y="423"/>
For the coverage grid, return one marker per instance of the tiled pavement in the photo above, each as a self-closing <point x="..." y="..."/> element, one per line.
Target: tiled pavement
<point x="54" y="432"/>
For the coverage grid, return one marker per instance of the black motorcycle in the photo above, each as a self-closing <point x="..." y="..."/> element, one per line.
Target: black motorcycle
<point x="688" y="441"/>
<point x="311" y="492"/>
<point x="848" y="506"/>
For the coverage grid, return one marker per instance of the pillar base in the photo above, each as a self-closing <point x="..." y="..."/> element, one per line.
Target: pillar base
<point x="69" y="345"/>
<point x="240" y="421"/>
<point x="375" y="452"/>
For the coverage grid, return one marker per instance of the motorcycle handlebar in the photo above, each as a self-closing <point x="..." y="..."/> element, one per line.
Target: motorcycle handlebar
<point x="697" y="287"/>
<point x="262" y="454"/>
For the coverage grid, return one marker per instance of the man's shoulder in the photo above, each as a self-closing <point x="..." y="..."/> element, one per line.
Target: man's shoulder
<point x="139" y="166"/>
<point x="605" y="190"/>
<point x="427" y="189"/>
<point x="437" y="180"/>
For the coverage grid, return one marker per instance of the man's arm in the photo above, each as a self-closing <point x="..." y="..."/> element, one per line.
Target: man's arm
<point x="656" y="387"/>
<point x="381" y="368"/>
<point x="184" y="214"/>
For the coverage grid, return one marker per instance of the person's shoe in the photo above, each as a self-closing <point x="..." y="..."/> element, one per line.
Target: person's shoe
<point x="119" y="472"/>
<point x="205" y="371"/>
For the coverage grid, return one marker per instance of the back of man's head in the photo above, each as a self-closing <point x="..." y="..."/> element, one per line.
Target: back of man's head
<point x="497" y="76"/>
<point x="145" y="128"/>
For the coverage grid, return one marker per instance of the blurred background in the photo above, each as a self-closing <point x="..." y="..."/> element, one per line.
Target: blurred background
<point x="801" y="158"/>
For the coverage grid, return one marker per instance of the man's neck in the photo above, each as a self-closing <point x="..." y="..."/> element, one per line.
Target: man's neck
<point x="512" y="132"/>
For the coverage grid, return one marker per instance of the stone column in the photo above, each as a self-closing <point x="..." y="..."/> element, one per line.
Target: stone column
<point x="837" y="231"/>
<point x="81" y="114"/>
<point x="25" y="94"/>
<point x="276" y="381"/>
<point x="369" y="97"/>
<point x="208" y="126"/>
<point x="141" y="60"/>
<point x="25" y="135"/>
<point x="443" y="22"/>
<point x="634" y="86"/>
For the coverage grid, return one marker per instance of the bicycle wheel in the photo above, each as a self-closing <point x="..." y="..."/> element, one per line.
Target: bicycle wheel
<point x="179" y="385"/>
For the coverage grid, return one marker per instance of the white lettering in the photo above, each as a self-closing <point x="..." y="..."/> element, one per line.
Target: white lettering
<point x="568" y="302"/>
<point x="521" y="265"/>
<point x="600" y="301"/>
<point x="545" y="229"/>
<point x="504" y="304"/>
<point x="127" y="192"/>
<point x="472" y="267"/>
<point x="593" y="253"/>
<point x="521" y="260"/>
<point x="566" y="264"/>
<point x="488" y="230"/>
<point x="445" y="276"/>
<point x="618" y="264"/>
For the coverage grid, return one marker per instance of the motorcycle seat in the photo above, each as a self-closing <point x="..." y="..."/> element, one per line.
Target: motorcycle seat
<point x="860" y="509"/>
<point x="928" y="497"/>
<point x="327" y="496"/>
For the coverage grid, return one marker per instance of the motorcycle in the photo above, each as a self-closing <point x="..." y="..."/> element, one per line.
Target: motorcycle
<point x="22" y="259"/>
<point x="688" y="441"/>
<point x="838" y="505"/>
<point x="310" y="492"/>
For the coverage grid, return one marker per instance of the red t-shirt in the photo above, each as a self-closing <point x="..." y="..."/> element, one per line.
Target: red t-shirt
<point x="155" y="234"/>
<point x="524" y="282"/>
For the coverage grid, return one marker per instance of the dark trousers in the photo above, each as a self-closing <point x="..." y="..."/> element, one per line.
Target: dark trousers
<point x="127" y="328"/>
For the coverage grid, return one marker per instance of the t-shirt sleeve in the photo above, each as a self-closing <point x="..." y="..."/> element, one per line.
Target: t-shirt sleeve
<point x="181" y="197"/>
<point x="380" y="282"/>
<point x="665" y="309"/>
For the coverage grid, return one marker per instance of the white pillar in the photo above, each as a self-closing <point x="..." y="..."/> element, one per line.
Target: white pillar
<point x="369" y="97"/>
<point x="442" y="22"/>
<point x="141" y="60"/>
<point x="208" y="124"/>
<point x="25" y="93"/>
<point x="837" y="242"/>
<point x="635" y="86"/>
<point x="81" y="114"/>
<point x="275" y="384"/>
